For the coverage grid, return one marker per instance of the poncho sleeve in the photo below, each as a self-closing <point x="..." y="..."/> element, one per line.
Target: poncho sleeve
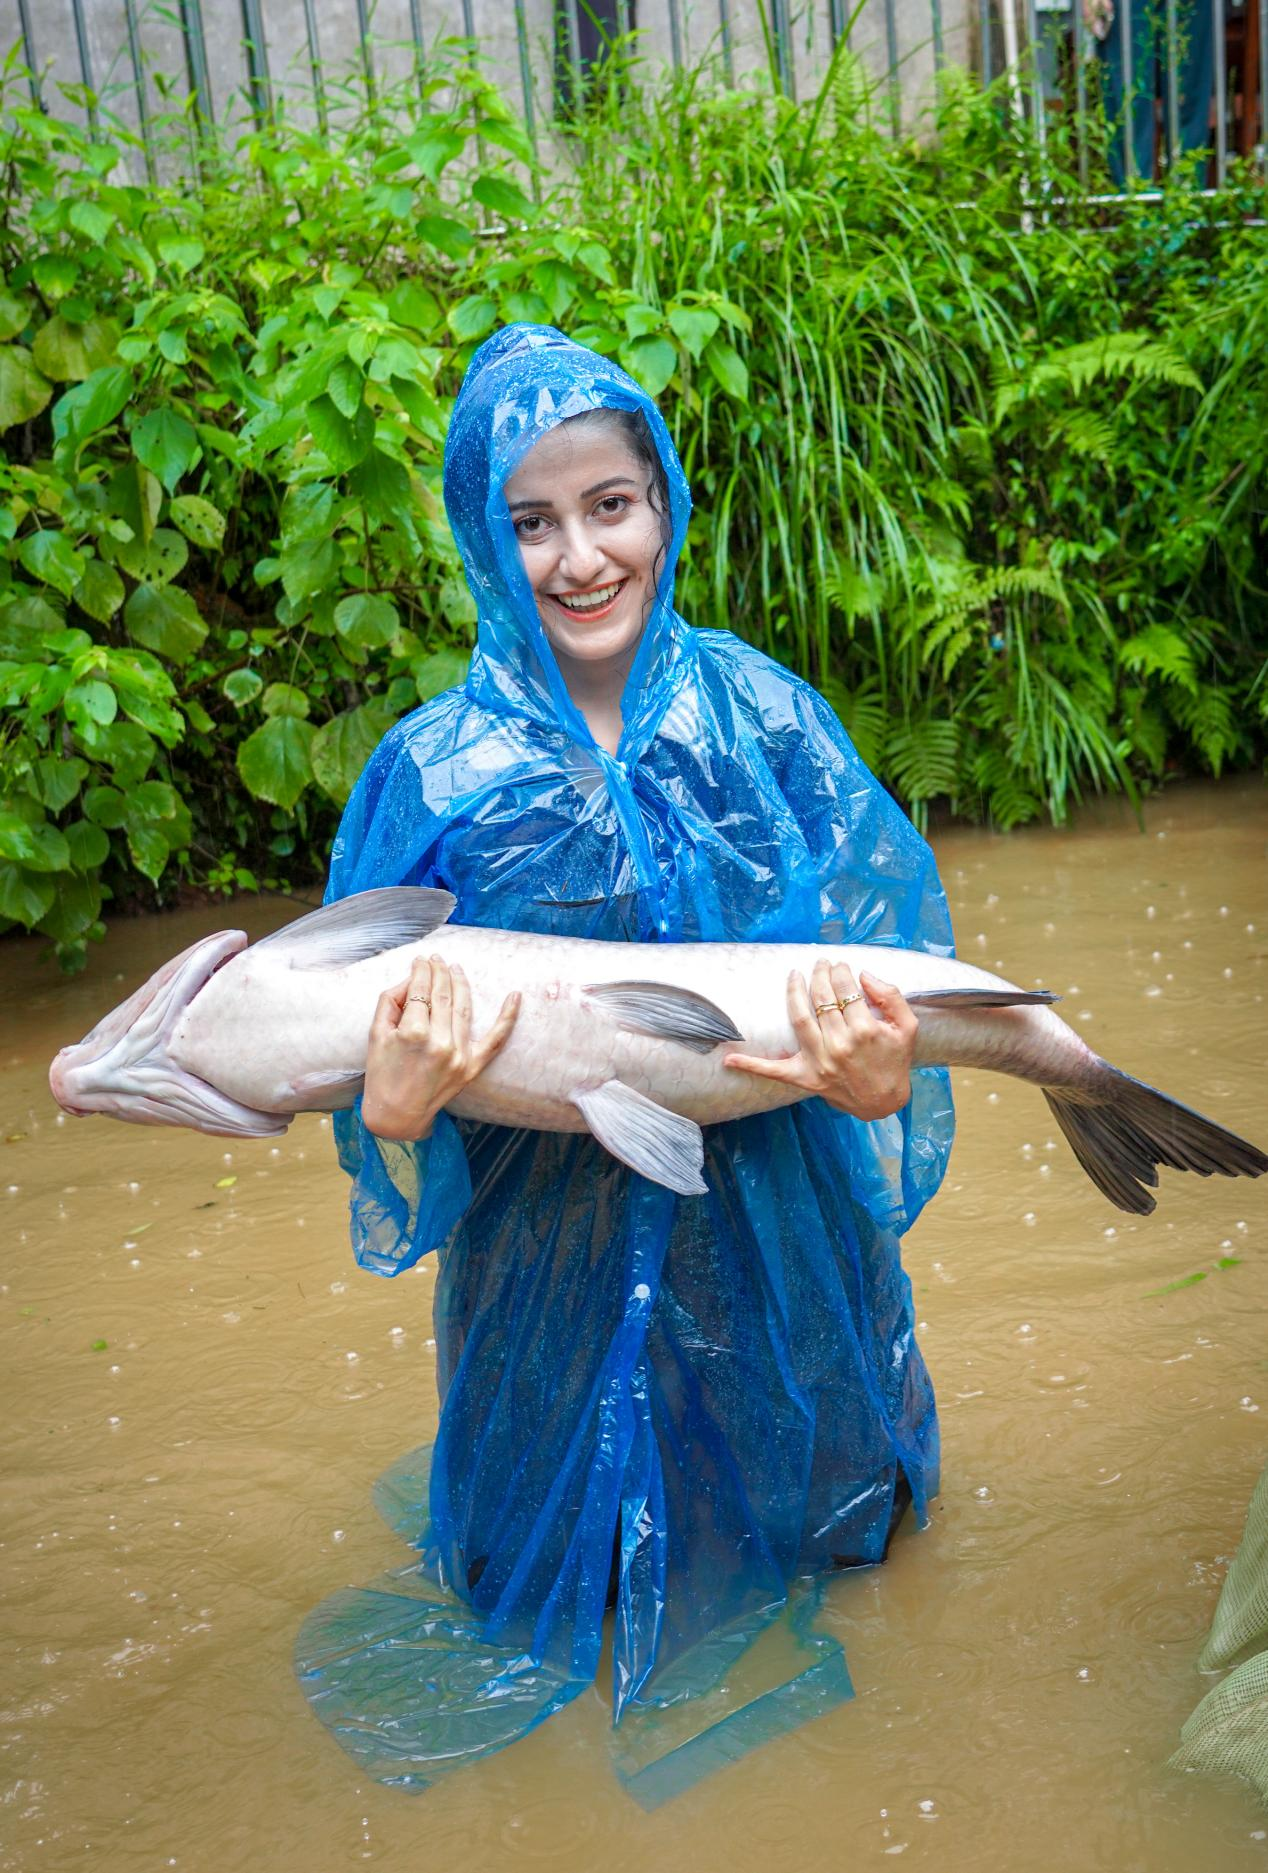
<point x="406" y="1198"/>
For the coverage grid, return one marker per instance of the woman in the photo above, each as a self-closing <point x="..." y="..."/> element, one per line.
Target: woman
<point x="686" y="1402"/>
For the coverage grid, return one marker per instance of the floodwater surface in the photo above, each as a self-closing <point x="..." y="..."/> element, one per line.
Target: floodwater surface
<point x="201" y="1387"/>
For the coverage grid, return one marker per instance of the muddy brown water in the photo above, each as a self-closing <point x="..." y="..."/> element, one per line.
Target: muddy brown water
<point x="177" y="1498"/>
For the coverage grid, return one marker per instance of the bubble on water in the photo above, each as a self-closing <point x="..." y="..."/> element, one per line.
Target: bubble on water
<point x="1074" y="989"/>
<point x="274" y="1151"/>
<point x="1084" y="1673"/>
<point x="1242" y="1227"/>
<point x="1223" y="910"/>
<point x="134" y="1187"/>
<point x="992" y="897"/>
<point x="135" y="1262"/>
<point x="1109" y="1233"/>
<point x="928" y="1808"/>
<point x="1228" y="975"/>
<point x="1026" y="1150"/>
<point x="1250" y="929"/>
<point x="339" y="1534"/>
<point x="980" y="939"/>
<point x="1155" y="956"/>
<point x="352" y="1358"/>
<point x="1150" y="910"/>
<point x="227" y="1157"/>
<point x="983" y="1493"/>
<point x="396" y="1333"/>
<point x="1025" y="1327"/>
<point x="13" y="1189"/>
<point x="338" y="1287"/>
<point x="114" y="1423"/>
<point x="60" y="1119"/>
<point x="1186" y="945"/>
<point x="1029" y="1218"/>
<point x="1153" y="991"/>
<point x="992" y="1099"/>
<point x="1248" y="1404"/>
<point x="116" y="1368"/>
<point x="1050" y="929"/>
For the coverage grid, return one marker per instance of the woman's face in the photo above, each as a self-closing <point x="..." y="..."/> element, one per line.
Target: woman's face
<point x="589" y="538"/>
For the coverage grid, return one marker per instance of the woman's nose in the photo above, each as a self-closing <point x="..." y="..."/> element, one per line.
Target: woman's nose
<point x="581" y="557"/>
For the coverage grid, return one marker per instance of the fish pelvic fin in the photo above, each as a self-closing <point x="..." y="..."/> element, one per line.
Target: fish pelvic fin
<point x="354" y="928"/>
<point x="1121" y="1130"/>
<point x="665" y="1013"/>
<point x="657" y="1143"/>
<point x="981" y="998"/>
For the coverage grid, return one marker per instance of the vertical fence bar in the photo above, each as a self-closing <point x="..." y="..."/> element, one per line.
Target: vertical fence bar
<point x="85" y="61"/>
<point x="526" y="75"/>
<point x="572" y="25"/>
<point x="1221" y="91"/>
<point x="1080" y="90"/>
<point x="728" y="51"/>
<point x="416" y="33"/>
<point x="675" y="35"/>
<point x="468" y="20"/>
<point x="984" y="33"/>
<point x="28" y="53"/>
<point x="891" y="54"/>
<point x="1037" y="105"/>
<point x="1263" y="84"/>
<point x="939" y="55"/>
<point x="1012" y="58"/>
<point x="138" y="83"/>
<point x="314" y="66"/>
<point x="259" y="84"/>
<point x="1173" y="88"/>
<point x="836" y="23"/>
<point x="1125" y="47"/>
<point x="367" y="60"/>
<point x="191" y="16"/>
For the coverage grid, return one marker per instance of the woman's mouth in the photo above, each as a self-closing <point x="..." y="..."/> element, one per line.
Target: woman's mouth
<point x="596" y="603"/>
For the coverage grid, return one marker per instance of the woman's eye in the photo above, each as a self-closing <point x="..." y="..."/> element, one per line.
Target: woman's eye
<point x="613" y="504"/>
<point x="530" y="527"/>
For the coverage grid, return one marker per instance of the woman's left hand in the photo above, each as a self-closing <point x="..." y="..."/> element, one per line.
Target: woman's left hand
<point x="857" y="1057"/>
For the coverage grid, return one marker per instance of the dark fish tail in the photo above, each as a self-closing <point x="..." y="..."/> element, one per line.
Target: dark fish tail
<point x="1121" y="1130"/>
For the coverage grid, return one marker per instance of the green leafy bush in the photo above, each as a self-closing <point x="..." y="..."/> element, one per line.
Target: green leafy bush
<point x="980" y="460"/>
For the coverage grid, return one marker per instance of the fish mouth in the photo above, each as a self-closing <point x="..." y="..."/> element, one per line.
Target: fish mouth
<point x="121" y="1066"/>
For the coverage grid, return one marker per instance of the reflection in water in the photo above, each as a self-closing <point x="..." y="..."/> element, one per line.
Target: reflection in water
<point x="203" y="1389"/>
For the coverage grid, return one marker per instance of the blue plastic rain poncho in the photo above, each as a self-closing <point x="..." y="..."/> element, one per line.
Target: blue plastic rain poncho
<point x="691" y="1400"/>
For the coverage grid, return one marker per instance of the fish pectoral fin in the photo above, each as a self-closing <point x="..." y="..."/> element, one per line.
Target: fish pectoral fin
<point x="981" y="998"/>
<point x="665" y="1013"/>
<point x="657" y="1143"/>
<point x="323" y="1092"/>
<point x="362" y="925"/>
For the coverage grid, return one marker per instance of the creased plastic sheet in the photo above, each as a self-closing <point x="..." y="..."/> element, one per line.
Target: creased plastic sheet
<point x="683" y="1403"/>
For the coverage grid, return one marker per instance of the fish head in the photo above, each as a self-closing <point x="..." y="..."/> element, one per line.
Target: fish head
<point x="122" y="1067"/>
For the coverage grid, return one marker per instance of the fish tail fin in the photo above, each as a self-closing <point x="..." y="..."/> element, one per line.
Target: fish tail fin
<point x="1121" y="1130"/>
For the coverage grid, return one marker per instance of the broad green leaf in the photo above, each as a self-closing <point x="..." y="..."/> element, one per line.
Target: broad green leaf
<point x="411" y="304"/>
<point x="25" y="896"/>
<point x="156" y="799"/>
<point x="652" y="361"/>
<point x="308" y="512"/>
<point x="15" y="315"/>
<point x="90" y="702"/>
<point x="59" y="781"/>
<point x="345" y="387"/>
<point x="99" y="591"/>
<point x="694" y="326"/>
<point x="430" y="149"/>
<point x="135" y="496"/>
<point x="442" y="669"/>
<point x="181" y="253"/>
<point x="381" y="483"/>
<point x="126" y="745"/>
<point x="276" y="761"/>
<point x="148" y="847"/>
<point x="91" y="406"/>
<point x="26" y="623"/>
<point x="308" y="567"/>
<point x="166" y="620"/>
<point x="55" y="274"/>
<point x="105" y="805"/>
<point x="367" y="618"/>
<point x="199" y="520"/>
<point x="158" y="561"/>
<point x="40" y="847"/>
<point x="728" y="368"/>
<point x="342" y="746"/>
<point x="50" y="557"/>
<point x="343" y="443"/>
<point x="456" y="601"/>
<point x="24" y="391"/>
<point x="73" y="352"/>
<point x="596" y="259"/>
<point x="473" y="316"/>
<point x="165" y="444"/>
<point x="503" y="198"/>
<point x="285" y="699"/>
<point x="92" y="222"/>
<point x="446" y="235"/>
<point x="242" y="687"/>
<point x="88" y="845"/>
<point x="75" y="907"/>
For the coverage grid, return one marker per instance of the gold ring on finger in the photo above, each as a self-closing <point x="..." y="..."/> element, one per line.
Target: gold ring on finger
<point x="823" y="1008"/>
<point x="420" y="998"/>
<point x="845" y="1000"/>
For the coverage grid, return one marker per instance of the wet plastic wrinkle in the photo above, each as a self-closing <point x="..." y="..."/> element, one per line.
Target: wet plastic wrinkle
<point x="726" y="1385"/>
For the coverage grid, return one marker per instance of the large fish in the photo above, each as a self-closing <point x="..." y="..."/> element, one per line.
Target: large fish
<point x="619" y="1039"/>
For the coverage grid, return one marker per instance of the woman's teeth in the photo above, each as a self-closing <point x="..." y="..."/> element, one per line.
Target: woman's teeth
<point x="589" y="601"/>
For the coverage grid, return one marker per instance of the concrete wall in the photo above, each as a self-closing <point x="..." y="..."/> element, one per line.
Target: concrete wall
<point x="56" y="52"/>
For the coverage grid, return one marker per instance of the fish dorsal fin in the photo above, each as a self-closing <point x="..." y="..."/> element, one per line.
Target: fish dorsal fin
<point x="981" y="998"/>
<point x="363" y="925"/>
<point x="665" y="1013"/>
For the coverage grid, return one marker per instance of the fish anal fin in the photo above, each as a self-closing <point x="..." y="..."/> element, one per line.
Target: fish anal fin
<point x="323" y="1092"/>
<point x="665" y="1013"/>
<point x="365" y="924"/>
<point x="982" y="998"/>
<point x="657" y="1143"/>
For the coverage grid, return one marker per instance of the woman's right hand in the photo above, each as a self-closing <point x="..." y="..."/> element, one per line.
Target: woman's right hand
<point x="420" y="1054"/>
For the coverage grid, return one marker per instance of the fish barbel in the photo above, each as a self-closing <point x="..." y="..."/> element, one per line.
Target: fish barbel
<point x="624" y="1040"/>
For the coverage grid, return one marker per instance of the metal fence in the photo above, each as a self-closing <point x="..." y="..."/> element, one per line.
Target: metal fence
<point x="1169" y="77"/>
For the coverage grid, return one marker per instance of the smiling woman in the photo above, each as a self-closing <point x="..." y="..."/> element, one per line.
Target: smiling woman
<point x="670" y="1404"/>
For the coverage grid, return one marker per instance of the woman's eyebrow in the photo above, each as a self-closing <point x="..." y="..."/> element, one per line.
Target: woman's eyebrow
<point x="613" y="481"/>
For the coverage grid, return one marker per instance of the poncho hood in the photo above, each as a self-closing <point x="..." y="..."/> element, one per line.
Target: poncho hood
<point x="522" y="382"/>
